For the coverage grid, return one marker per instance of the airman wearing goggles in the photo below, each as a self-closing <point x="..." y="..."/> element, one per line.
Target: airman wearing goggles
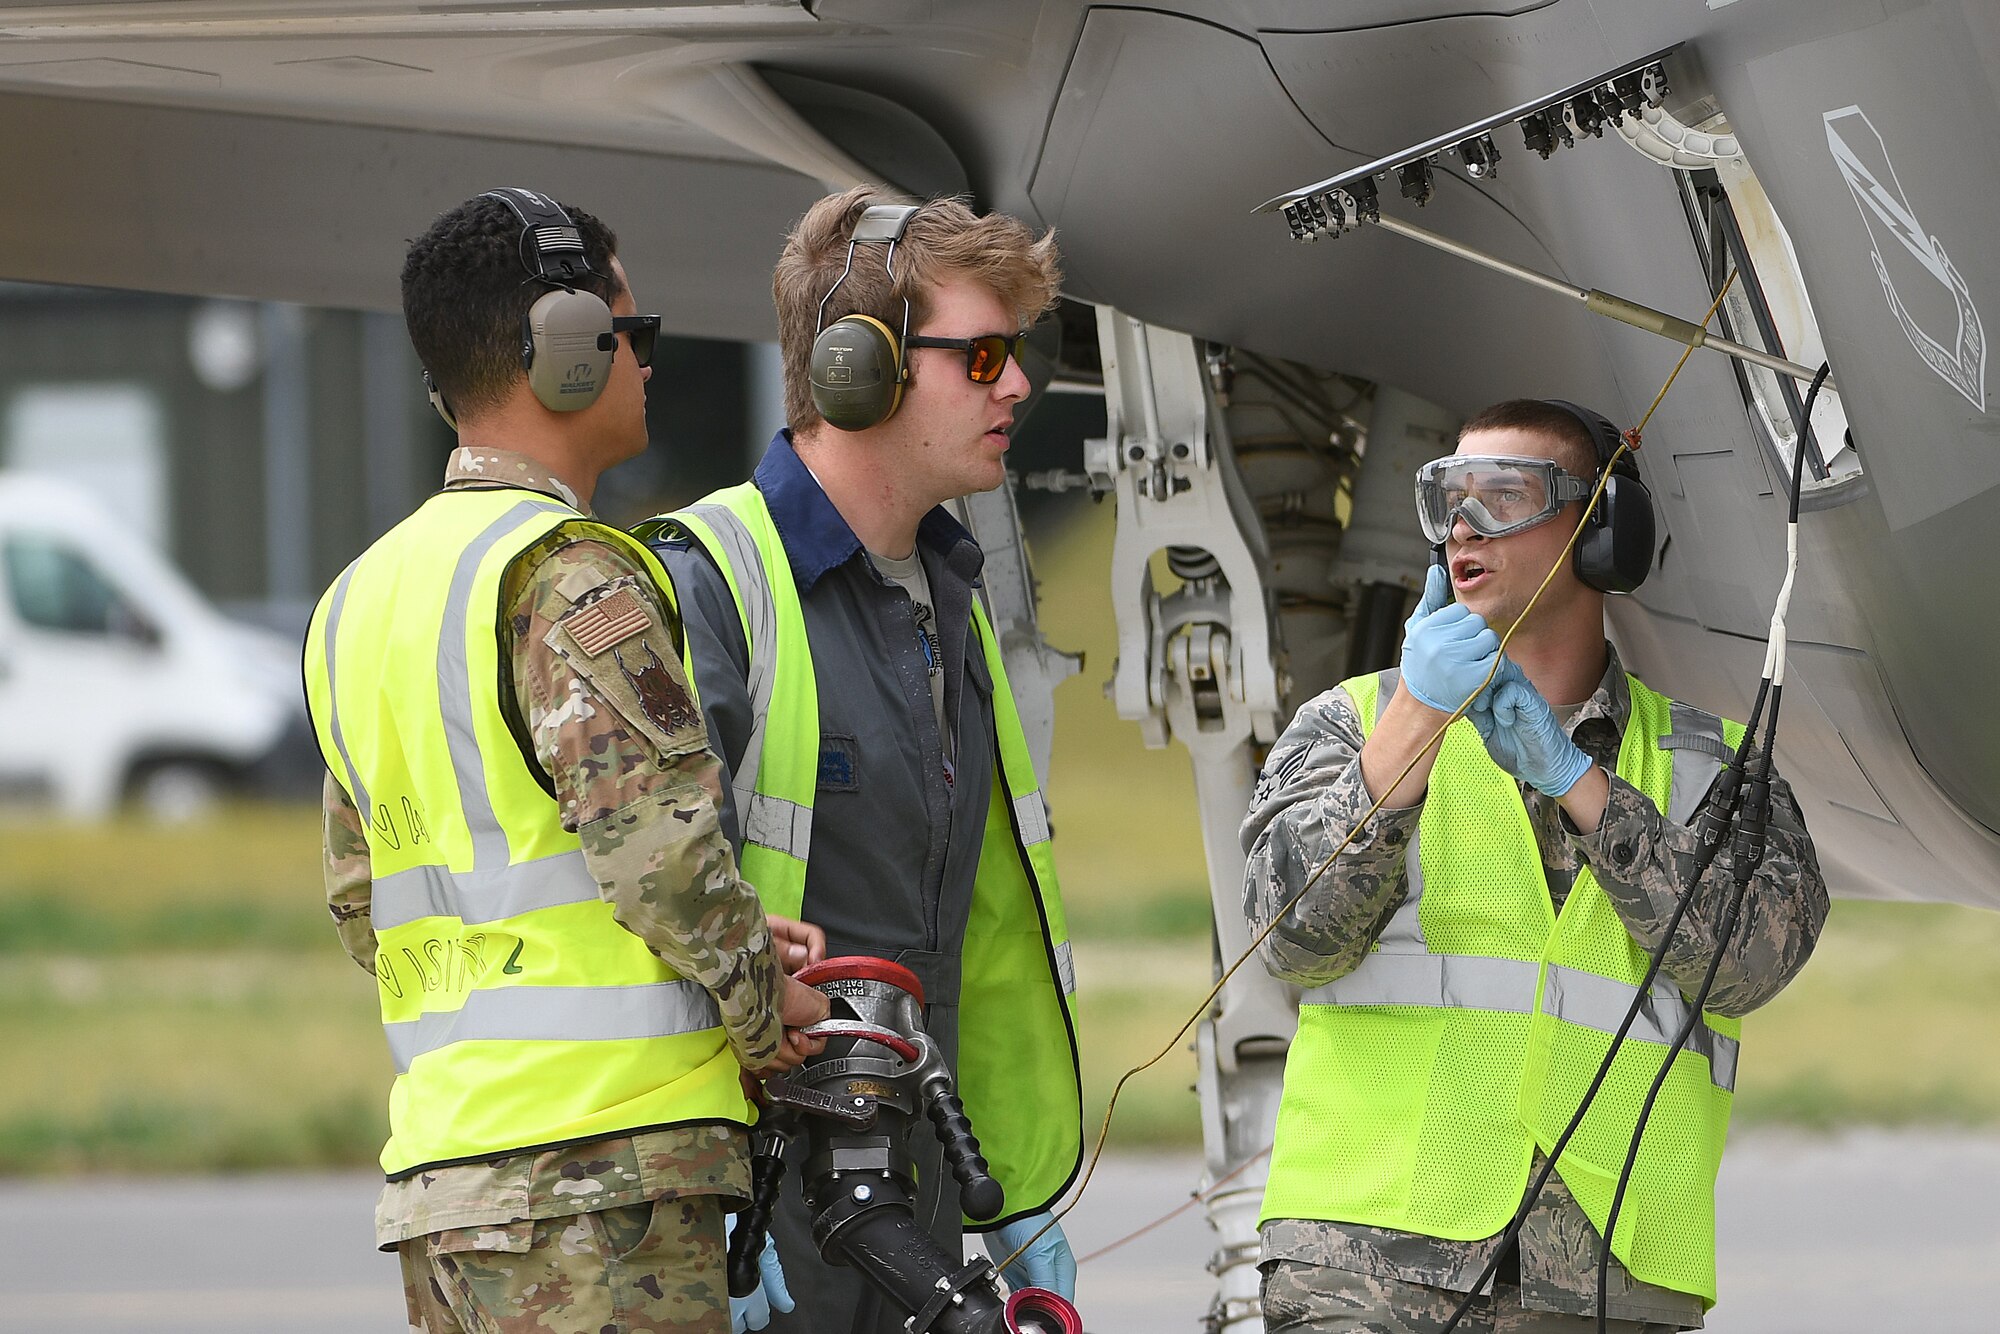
<point x="1496" y="494"/>
<point x="1562" y="797"/>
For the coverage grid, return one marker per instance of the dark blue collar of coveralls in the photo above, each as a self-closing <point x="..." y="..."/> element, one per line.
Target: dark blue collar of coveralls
<point x="816" y="538"/>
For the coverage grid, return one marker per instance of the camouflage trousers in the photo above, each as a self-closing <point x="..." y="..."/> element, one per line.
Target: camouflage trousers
<point x="1313" y="1299"/>
<point x="641" y="1269"/>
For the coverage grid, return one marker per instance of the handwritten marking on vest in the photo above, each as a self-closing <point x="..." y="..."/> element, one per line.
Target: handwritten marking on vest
<point x="413" y="829"/>
<point x="413" y="818"/>
<point x="449" y="963"/>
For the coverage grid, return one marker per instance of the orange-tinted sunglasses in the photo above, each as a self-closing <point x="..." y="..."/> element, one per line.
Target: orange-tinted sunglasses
<point x="985" y="356"/>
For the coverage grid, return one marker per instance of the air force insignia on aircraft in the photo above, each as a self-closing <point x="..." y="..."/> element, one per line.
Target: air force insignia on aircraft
<point x="1898" y="238"/>
<point x="607" y="622"/>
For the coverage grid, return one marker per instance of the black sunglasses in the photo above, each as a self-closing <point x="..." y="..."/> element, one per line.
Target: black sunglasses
<point x="645" y="331"/>
<point x="985" y="356"/>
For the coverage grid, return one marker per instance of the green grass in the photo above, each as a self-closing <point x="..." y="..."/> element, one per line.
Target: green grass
<point x="1131" y="999"/>
<point x="190" y="1061"/>
<point x="174" y="999"/>
<point x="46" y="921"/>
<point x="1891" y="1023"/>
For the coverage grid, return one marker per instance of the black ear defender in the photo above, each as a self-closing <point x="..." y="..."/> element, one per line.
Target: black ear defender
<point x="566" y="340"/>
<point x="857" y="367"/>
<point x="1614" y="554"/>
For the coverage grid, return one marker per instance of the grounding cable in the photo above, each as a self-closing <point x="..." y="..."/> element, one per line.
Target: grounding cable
<point x="1626" y="445"/>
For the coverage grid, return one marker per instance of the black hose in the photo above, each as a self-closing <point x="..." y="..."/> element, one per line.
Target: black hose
<point x="1749" y="851"/>
<point x="1723" y="794"/>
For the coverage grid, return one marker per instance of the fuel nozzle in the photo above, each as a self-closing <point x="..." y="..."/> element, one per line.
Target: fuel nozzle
<point x="857" y="1105"/>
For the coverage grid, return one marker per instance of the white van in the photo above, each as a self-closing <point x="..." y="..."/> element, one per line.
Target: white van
<point x="117" y="678"/>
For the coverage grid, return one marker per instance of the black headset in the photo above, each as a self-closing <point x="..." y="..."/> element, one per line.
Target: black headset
<point x="567" y="344"/>
<point x="858" y="368"/>
<point x="1615" y="552"/>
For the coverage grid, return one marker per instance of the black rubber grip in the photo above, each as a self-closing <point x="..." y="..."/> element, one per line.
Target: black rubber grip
<point x="753" y="1225"/>
<point x="978" y="1194"/>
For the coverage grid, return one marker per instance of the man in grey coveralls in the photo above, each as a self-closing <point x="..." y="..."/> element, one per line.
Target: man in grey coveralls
<point x="886" y="580"/>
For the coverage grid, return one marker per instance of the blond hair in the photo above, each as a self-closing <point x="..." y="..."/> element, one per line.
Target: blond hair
<point x="945" y="241"/>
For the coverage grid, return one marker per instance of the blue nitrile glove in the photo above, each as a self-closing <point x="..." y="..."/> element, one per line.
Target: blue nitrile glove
<point x="1523" y="736"/>
<point x="1447" y="647"/>
<point x="1048" y="1263"/>
<point x="754" y="1311"/>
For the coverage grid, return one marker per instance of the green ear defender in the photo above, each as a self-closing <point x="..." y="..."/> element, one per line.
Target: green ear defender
<point x="857" y="373"/>
<point x="857" y="365"/>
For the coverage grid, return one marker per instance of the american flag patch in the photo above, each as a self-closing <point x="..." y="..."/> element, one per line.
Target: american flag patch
<point x="609" y="621"/>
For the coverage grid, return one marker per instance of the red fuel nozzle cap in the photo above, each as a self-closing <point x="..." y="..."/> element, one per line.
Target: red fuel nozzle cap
<point x="1039" y="1311"/>
<point x="865" y="967"/>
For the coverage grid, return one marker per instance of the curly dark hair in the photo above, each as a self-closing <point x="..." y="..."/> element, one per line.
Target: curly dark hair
<point x="467" y="290"/>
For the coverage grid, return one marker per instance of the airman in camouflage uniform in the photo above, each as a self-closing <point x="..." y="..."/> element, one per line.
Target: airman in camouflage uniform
<point x="1328" y="1276"/>
<point x="623" y="1235"/>
<point x="506" y="1237"/>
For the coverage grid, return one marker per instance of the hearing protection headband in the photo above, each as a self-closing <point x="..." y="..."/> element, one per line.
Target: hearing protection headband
<point x="881" y="224"/>
<point x="551" y="246"/>
<point x="859" y="365"/>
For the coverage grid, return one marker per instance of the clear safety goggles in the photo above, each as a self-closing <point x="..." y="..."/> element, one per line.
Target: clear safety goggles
<point x="1495" y="494"/>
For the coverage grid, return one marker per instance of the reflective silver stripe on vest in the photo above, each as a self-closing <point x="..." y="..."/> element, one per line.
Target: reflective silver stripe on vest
<point x="768" y="821"/>
<point x="481" y="896"/>
<point x="1482" y="982"/>
<point x="1066" y="969"/>
<point x="1700" y="750"/>
<point x="1404" y="932"/>
<point x="772" y="822"/>
<point x="1460" y="981"/>
<point x="1403" y="973"/>
<point x="489" y="840"/>
<point x="1590" y="1001"/>
<point x="557" y="1014"/>
<point x="1031" y="817"/>
<point x="354" y="786"/>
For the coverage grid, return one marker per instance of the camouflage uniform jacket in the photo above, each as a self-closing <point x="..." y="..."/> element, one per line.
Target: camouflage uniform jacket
<point x="640" y="791"/>
<point x="1310" y="794"/>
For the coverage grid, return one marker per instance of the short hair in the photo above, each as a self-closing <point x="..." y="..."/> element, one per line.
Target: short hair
<point x="1570" y="441"/>
<point x="467" y="291"/>
<point x="945" y="241"/>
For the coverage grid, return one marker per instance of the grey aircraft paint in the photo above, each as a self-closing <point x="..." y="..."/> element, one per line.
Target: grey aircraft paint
<point x="268" y="161"/>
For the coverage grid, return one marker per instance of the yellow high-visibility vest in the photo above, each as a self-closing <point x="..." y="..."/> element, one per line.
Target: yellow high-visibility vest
<point x="519" y="1013"/>
<point x="1017" y="1063"/>
<point x="1421" y="1084"/>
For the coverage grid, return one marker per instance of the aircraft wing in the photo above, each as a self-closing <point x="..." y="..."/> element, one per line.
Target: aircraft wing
<point x="289" y="149"/>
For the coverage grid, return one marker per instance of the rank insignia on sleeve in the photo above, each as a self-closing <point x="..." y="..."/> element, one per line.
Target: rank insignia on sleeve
<point x="664" y="699"/>
<point x="607" y="622"/>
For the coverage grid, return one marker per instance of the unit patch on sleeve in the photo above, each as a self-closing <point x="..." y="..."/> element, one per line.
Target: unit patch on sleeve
<point x="664" y="699"/>
<point x="607" y="622"/>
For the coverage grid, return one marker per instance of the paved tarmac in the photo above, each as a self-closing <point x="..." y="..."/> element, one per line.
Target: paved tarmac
<point x="1852" y="1235"/>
